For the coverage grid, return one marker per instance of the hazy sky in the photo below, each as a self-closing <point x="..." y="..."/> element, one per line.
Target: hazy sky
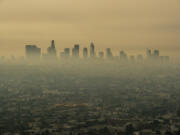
<point x="119" y="24"/>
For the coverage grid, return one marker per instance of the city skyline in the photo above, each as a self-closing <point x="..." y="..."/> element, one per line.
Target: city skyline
<point x="34" y="52"/>
<point x="125" y="24"/>
<point x="89" y="67"/>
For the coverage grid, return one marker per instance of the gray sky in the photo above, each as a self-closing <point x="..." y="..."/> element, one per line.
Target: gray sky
<point x="119" y="24"/>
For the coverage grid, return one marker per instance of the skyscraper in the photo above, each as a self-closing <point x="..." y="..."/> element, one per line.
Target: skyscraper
<point x="32" y="52"/>
<point x="52" y="49"/>
<point x="156" y="53"/>
<point x="66" y="52"/>
<point x="75" y="51"/>
<point x="109" y="54"/>
<point x="85" y="52"/>
<point x="123" y="55"/>
<point x="148" y="53"/>
<point x="92" y="50"/>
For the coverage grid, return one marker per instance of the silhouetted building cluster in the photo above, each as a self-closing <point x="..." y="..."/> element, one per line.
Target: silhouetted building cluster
<point x="32" y="51"/>
<point x="155" y="55"/>
<point x="66" y="53"/>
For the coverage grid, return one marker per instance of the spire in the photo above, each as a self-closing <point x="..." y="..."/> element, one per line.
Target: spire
<point x="52" y="44"/>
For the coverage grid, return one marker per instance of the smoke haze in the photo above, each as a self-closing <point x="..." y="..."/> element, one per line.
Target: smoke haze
<point x="119" y="24"/>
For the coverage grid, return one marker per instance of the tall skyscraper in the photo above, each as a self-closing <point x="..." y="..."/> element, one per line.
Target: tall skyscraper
<point x="85" y="53"/>
<point x="75" y="51"/>
<point x="66" y="52"/>
<point x="32" y="52"/>
<point x="92" y="50"/>
<point x="123" y="55"/>
<point x="156" y="53"/>
<point x="52" y="44"/>
<point x="52" y="49"/>
<point x="148" y="53"/>
<point x="109" y="54"/>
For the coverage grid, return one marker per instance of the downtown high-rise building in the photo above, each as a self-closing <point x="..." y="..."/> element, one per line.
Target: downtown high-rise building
<point x="123" y="55"/>
<point x="32" y="52"/>
<point x="75" y="51"/>
<point x="109" y="54"/>
<point x="66" y="52"/>
<point x="85" y="52"/>
<point x="52" y="49"/>
<point x="92" y="50"/>
<point x="148" y="53"/>
<point x="156" y="53"/>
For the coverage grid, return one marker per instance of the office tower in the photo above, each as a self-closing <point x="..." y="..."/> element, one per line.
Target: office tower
<point x="109" y="53"/>
<point x="148" y="53"/>
<point x="85" y="52"/>
<point x="52" y="49"/>
<point x="52" y="44"/>
<point x="101" y="55"/>
<point x="32" y="51"/>
<point x="75" y="51"/>
<point x="156" y="53"/>
<point x="66" y="52"/>
<point x="139" y="57"/>
<point x="123" y="55"/>
<point x="92" y="50"/>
